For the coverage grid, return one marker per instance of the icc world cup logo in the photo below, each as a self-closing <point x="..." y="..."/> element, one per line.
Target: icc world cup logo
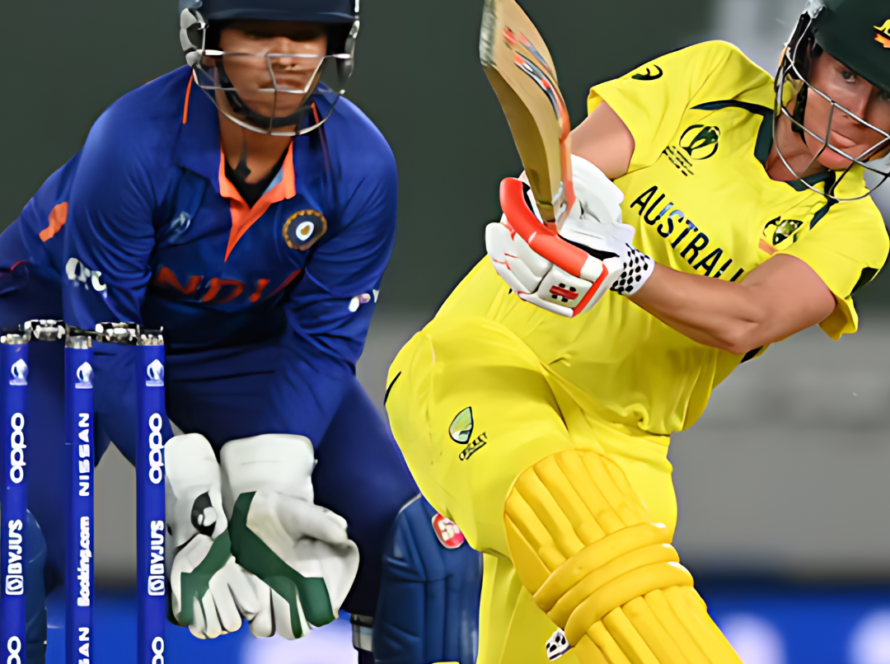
<point x="154" y="374"/>
<point x="84" y="375"/>
<point x="19" y="373"/>
<point x="700" y="142"/>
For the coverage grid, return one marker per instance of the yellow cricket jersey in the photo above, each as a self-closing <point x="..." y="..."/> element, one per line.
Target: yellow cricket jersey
<point x="701" y="202"/>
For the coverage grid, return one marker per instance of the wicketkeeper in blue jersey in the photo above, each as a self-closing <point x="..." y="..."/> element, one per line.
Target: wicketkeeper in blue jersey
<point x="242" y="205"/>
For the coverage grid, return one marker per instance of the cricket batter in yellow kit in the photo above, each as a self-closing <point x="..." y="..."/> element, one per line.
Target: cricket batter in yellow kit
<point x="725" y="210"/>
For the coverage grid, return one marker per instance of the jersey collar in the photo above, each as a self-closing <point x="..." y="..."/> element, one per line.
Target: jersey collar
<point x="764" y="143"/>
<point x="198" y="150"/>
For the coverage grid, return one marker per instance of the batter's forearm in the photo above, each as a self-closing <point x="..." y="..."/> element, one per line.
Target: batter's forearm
<point x="715" y="313"/>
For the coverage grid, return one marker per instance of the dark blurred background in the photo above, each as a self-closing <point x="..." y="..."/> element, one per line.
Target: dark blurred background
<point x="783" y="484"/>
<point x="417" y="77"/>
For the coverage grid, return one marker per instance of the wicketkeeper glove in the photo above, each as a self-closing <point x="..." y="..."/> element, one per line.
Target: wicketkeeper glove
<point x="567" y="271"/>
<point x="210" y="592"/>
<point x="300" y="550"/>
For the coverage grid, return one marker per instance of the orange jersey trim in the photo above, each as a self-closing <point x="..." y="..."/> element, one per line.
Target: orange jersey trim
<point x="57" y="218"/>
<point x="244" y="216"/>
<point x="188" y="96"/>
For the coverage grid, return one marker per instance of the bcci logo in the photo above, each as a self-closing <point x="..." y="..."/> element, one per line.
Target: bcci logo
<point x="19" y="371"/>
<point x="304" y="229"/>
<point x="84" y="377"/>
<point x="154" y="374"/>
<point x="883" y="36"/>
<point x="700" y="142"/>
<point x="781" y="233"/>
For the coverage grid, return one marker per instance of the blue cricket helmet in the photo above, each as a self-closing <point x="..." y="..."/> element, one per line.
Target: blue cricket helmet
<point x="340" y="16"/>
<point x="316" y="11"/>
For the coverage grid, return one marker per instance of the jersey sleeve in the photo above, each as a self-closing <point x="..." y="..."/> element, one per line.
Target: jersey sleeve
<point x="108" y="234"/>
<point x="331" y="308"/>
<point x="107" y="240"/>
<point x="651" y="100"/>
<point x="847" y="248"/>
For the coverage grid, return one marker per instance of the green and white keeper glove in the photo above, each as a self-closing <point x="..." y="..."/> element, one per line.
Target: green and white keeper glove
<point x="210" y="592"/>
<point x="300" y="551"/>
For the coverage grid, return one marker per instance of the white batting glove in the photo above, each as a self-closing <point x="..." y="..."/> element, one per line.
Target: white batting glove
<point x="591" y="254"/>
<point x="299" y="550"/>
<point x="210" y="592"/>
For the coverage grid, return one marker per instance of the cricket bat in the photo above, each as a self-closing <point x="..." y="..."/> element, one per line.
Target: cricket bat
<point x="520" y="69"/>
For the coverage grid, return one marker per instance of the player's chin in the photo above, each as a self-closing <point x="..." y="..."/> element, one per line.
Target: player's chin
<point x="266" y="104"/>
<point x="835" y="161"/>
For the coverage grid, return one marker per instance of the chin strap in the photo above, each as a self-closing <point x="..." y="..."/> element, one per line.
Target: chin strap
<point x="250" y="116"/>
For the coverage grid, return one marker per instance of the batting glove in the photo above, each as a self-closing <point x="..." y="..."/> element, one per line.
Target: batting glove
<point x="568" y="271"/>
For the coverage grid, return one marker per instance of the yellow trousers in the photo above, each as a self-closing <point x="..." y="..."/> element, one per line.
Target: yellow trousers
<point x="471" y="408"/>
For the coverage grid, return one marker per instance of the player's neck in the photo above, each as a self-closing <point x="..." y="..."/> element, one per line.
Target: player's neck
<point x="260" y="153"/>
<point x="795" y="152"/>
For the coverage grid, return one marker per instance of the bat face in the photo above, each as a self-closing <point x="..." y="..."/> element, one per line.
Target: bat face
<point x="520" y="69"/>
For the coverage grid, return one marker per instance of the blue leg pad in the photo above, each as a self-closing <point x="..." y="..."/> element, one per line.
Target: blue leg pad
<point x="428" y="610"/>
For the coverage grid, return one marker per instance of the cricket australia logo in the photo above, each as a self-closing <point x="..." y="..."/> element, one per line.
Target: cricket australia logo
<point x="779" y="234"/>
<point x="883" y="36"/>
<point x="698" y="143"/>
<point x="461" y="432"/>
<point x="461" y="428"/>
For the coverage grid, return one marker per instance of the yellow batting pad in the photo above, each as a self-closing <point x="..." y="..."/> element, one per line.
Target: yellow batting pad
<point x="583" y="544"/>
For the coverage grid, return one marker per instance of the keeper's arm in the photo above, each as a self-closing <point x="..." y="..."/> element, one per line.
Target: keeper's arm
<point x="776" y="300"/>
<point x="330" y="310"/>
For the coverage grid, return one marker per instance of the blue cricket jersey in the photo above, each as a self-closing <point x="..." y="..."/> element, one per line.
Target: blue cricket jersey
<point x="143" y="226"/>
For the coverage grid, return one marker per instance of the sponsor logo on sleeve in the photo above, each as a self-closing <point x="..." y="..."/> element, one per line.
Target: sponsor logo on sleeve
<point x="82" y="276"/>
